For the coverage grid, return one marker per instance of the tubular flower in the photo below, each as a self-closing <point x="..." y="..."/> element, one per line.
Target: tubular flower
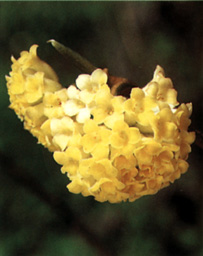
<point x="110" y="147"/>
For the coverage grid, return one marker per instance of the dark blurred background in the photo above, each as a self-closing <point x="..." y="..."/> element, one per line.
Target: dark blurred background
<point x="38" y="216"/>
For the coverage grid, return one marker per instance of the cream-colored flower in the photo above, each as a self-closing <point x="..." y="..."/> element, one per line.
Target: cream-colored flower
<point x="107" y="109"/>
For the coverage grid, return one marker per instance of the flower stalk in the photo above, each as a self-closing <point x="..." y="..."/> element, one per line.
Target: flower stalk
<point x="75" y="58"/>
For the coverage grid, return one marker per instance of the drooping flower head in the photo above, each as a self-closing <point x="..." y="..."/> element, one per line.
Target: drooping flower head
<point x="110" y="147"/>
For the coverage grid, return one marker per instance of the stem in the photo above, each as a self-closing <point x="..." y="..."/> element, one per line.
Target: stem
<point x="80" y="62"/>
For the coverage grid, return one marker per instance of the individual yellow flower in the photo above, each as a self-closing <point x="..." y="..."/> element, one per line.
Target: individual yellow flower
<point x="125" y="162"/>
<point x="34" y="116"/>
<point x="92" y="82"/>
<point x="62" y="131"/>
<point x="82" y="100"/>
<point x="107" y="109"/>
<point x="96" y="140"/>
<point x="146" y="151"/>
<point x="182" y="114"/>
<point x="111" y="191"/>
<point x="124" y="138"/>
<point x="133" y="106"/>
<point x="165" y="92"/>
<point x="73" y="107"/>
<point x="140" y="109"/>
<point x="70" y="159"/>
<point x="73" y="92"/>
<point x="79" y="105"/>
<point x="52" y="102"/>
<point x="163" y="126"/>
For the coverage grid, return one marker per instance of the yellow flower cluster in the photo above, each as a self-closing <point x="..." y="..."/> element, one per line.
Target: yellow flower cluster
<point x="29" y="82"/>
<point x="111" y="147"/>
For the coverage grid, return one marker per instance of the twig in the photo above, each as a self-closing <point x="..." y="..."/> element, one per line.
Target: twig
<point x="80" y="62"/>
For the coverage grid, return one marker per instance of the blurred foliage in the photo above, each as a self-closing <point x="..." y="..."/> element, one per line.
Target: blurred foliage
<point x="38" y="216"/>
